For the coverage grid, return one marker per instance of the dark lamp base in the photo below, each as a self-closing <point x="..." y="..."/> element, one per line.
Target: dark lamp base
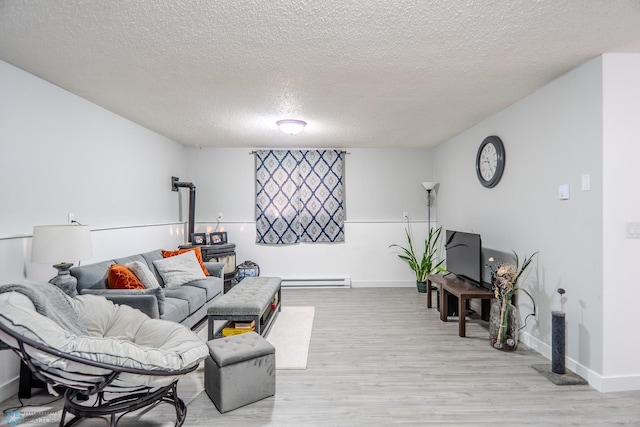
<point x="568" y="378"/>
<point x="64" y="280"/>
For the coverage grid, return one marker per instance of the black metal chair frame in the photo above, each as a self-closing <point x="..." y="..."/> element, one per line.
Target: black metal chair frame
<point x="90" y="402"/>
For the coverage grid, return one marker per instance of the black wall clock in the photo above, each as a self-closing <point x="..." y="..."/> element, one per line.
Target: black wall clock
<point x="490" y="161"/>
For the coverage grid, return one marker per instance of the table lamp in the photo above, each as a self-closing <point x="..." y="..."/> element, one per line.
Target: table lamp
<point x="59" y="244"/>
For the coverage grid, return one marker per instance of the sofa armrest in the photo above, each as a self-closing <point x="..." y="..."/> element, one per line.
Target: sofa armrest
<point x="215" y="269"/>
<point x="146" y="302"/>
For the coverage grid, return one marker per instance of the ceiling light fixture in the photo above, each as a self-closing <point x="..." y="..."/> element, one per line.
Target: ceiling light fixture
<point x="291" y="126"/>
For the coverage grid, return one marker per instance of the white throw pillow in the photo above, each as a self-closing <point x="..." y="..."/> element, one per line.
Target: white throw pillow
<point x="144" y="274"/>
<point x="180" y="269"/>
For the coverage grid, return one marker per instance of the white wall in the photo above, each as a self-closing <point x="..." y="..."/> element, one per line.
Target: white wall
<point x="116" y="178"/>
<point x="380" y="185"/>
<point x="552" y="137"/>
<point x="621" y="204"/>
<point x="60" y="153"/>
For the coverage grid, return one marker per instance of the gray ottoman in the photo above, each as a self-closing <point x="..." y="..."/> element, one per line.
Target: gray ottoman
<point x="240" y="369"/>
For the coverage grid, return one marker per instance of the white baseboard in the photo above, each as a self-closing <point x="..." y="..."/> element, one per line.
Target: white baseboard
<point x="382" y="284"/>
<point x="8" y="389"/>
<point x="595" y="380"/>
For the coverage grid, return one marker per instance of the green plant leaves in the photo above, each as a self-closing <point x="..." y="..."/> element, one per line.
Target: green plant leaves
<point x="427" y="263"/>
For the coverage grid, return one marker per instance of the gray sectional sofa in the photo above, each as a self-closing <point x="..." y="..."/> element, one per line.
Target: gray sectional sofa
<point x="186" y="304"/>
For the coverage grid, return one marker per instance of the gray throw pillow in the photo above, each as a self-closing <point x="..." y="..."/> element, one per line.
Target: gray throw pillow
<point x="144" y="274"/>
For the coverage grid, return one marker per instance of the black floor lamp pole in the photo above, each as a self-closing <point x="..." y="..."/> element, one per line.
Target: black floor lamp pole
<point x="429" y="209"/>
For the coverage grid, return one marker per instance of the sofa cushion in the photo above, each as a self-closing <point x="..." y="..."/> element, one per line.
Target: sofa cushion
<point x="120" y="277"/>
<point x="176" y="309"/>
<point x="157" y="292"/>
<point x="129" y="259"/>
<point x="212" y="285"/>
<point x="144" y="274"/>
<point x="91" y="275"/>
<point x="197" y="252"/>
<point x="195" y="297"/>
<point x="179" y="269"/>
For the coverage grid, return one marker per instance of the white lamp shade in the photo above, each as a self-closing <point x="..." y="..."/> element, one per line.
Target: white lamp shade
<point x="291" y="126"/>
<point x="60" y="243"/>
<point x="431" y="186"/>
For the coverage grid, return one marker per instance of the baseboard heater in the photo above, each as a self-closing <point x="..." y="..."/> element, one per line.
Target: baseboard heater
<point x="342" y="282"/>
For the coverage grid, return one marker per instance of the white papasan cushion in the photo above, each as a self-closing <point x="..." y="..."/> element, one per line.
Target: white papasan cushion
<point x="119" y="335"/>
<point x="179" y="269"/>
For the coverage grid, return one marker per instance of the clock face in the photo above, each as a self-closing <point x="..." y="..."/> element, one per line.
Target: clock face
<point x="490" y="161"/>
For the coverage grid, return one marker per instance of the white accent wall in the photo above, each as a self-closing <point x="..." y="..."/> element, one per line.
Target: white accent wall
<point x="380" y="185"/>
<point x="621" y="204"/>
<point x="583" y="123"/>
<point x="61" y="154"/>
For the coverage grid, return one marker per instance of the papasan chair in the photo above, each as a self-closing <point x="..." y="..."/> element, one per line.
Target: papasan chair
<point x="107" y="359"/>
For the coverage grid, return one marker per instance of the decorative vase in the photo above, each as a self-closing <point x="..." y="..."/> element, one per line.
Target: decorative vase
<point x="504" y="324"/>
<point x="247" y="269"/>
<point x="422" y="287"/>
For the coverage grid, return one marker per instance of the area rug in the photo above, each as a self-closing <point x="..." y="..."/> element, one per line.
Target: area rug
<point x="291" y="335"/>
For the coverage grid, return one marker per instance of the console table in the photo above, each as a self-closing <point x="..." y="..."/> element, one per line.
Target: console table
<point x="464" y="291"/>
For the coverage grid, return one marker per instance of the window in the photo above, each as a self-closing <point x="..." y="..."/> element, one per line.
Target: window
<point x="299" y="196"/>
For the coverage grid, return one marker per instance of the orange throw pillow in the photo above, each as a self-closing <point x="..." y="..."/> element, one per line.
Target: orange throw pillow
<point x="167" y="254"/>
<point x="120" y="277"/>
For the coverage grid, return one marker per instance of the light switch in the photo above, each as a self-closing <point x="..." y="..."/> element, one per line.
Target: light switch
<point x="586" y="182"/>
<point x="563" y="192"/>
<point x="633" y="230"/>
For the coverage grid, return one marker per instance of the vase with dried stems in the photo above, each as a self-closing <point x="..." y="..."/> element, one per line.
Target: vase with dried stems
<point x="504" y="319"/>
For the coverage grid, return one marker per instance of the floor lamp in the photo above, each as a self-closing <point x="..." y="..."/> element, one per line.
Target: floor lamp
<point x="430" y="186"/>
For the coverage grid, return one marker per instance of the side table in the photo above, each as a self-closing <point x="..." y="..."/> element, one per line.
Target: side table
<point x="463" y="290"/>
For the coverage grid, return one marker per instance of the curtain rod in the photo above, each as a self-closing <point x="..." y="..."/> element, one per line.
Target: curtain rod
<point x="342" y="151"/>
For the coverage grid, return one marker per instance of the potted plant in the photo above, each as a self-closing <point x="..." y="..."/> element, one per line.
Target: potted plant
<point x="427" y="263"/>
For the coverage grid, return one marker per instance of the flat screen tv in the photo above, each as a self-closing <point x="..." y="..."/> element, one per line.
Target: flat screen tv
<point x="464" y="255"/>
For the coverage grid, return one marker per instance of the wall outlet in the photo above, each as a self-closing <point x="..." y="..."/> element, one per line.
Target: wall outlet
<point x="219" y="216"/>
<point x="71" y="218"/>
<point x="405" y="215"/>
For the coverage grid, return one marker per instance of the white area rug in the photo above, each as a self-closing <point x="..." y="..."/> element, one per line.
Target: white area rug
<point x="291" y="335"/>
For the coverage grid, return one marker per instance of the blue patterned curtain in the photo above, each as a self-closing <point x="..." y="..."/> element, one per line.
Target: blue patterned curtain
<point x="299" y="196"/>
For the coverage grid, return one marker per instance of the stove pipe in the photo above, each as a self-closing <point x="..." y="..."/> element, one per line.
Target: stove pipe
<point x="175" y="185"/>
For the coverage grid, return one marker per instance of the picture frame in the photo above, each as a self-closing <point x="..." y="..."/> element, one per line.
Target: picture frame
<point x="218" y="238"/>
<point x="198" y="238"/>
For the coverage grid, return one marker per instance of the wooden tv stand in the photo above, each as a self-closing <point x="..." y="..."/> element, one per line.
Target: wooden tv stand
<point x="449" y="284"/>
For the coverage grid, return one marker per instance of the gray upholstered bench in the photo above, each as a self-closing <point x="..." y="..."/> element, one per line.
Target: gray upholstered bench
<point x="240" y="369"/>
<point x="249" y="300"/>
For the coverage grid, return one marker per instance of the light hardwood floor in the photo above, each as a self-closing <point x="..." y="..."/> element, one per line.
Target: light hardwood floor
<point x="379" y="357"/>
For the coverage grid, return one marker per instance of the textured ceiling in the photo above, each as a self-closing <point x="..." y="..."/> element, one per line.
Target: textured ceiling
<point x="362" y="73"/>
